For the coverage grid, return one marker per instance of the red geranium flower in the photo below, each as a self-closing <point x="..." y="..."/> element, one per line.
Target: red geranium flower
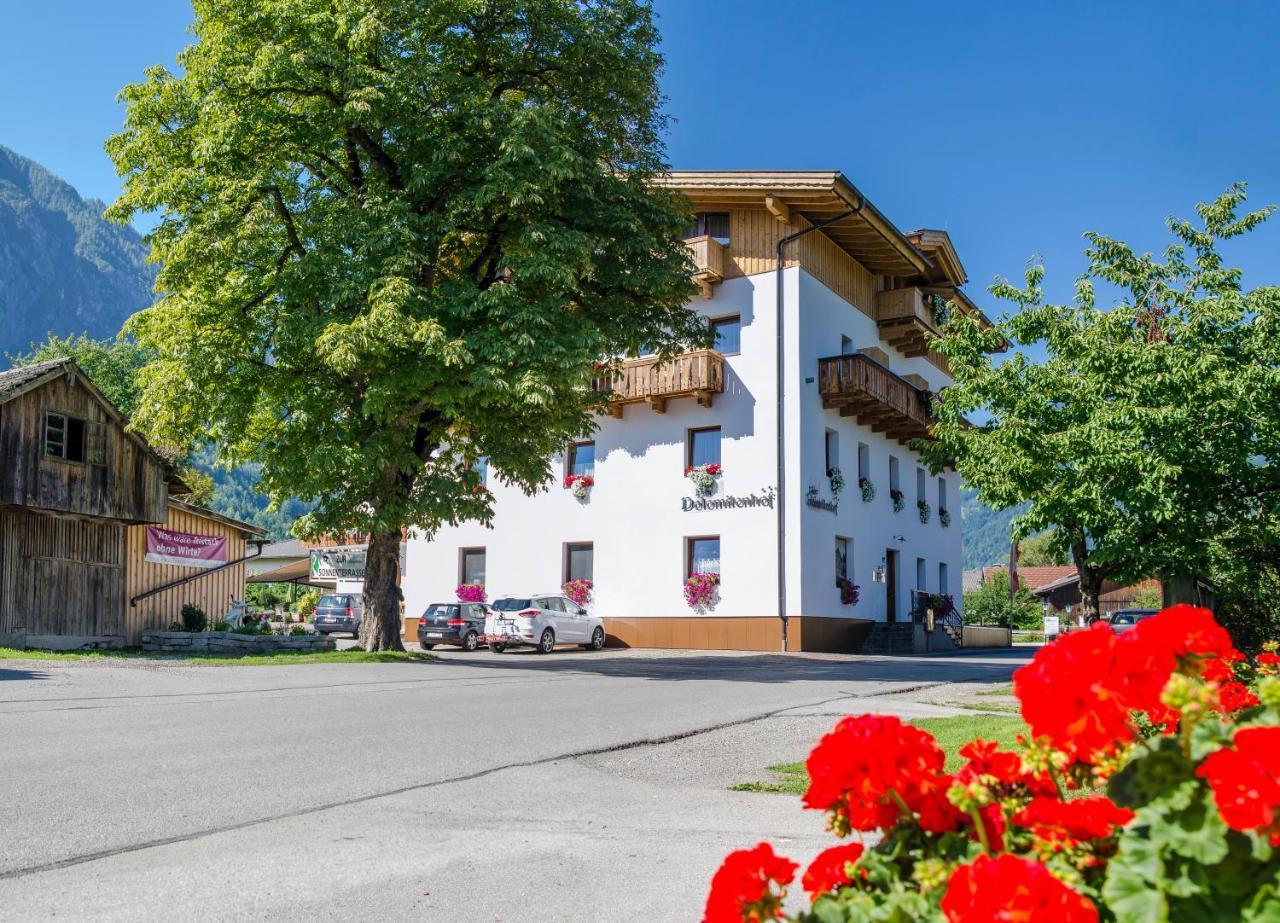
<point x="741" y="888"/>
<point x="1012" y="890"/>
<point x="870" y="766"/>
<point x="830" y="869"/>
<point x="1268" y="662"/>
<point x="1095" y="817"/>
<point x="1235" y="696"/>
<point x="1245" y="779"/>
<point x="1072" y="693"/>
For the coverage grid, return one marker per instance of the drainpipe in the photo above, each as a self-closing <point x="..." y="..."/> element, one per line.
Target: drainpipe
<point x="781" y="360"/>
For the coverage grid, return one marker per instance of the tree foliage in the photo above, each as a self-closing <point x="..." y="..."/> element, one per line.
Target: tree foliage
<point x="396" y="236"/>
<point x="1044" y="550"/>
<point x="1150" y="427"/>
<point x="990" y="604"/>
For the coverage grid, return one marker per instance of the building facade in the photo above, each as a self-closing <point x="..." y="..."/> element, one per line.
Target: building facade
<point x="848" y="384"/>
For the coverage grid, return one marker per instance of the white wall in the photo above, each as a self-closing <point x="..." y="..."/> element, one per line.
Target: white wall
<point x="872" y="527"/>
<point x="634" y="518"/>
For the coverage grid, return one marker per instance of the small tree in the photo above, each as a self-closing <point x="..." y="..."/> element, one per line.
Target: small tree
<point x="989" y="604"/>
<point x="1044" y="550"/>
<point x="397" y="236"/>
<point x="1149" y="427"/>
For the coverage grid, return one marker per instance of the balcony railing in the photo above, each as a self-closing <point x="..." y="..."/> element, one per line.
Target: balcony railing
<point x="858" y="386"/>
<point x="905" y="316"/>
<point x="698" y="374"/>
<point x="709" y="258"/>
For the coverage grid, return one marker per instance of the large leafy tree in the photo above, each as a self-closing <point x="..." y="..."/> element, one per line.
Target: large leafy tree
<point x="1150" y="426"/>
<point x="395" y="236"/>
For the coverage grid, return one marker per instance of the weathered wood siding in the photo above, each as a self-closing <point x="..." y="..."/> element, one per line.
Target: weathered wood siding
<point x="131" y="487"/>
<point x="753" y="242"/>
<point x="60" y="575"/>
<point x="211" y="592"/>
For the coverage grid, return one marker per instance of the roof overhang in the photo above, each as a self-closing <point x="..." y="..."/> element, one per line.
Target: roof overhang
<point x="817" y="196"/>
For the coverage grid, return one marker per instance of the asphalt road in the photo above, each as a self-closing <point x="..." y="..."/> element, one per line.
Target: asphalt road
<point x="477" y="787"/>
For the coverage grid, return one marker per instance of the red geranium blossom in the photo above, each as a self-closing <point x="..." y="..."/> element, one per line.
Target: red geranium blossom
<point x="1268" y="662"/>
<point x="1008" y="889"/>
<point x="1072" y="693"/>
<point x="1092" y="818"/>
<point x="1235" y="696"/>
<point x="1245" y="779"/>
<point x="866" y="765"/>
<point x="829" y="870"/>
<point x="741" y="888"/>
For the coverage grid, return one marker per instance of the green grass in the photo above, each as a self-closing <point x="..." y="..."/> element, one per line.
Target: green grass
<point x="228" y="660"/>
<point x="951" y="734"/>
<point x="1003" y="690"/>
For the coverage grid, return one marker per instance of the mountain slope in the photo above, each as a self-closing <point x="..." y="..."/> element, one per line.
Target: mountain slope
<point x="63" y="267"/>
<point x="986" y="531"/>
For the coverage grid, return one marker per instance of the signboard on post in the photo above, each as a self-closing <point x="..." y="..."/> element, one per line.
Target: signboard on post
<point x="185" y="549"/>
<point x="1050" y="627"/>
<point x="345" y="562"/>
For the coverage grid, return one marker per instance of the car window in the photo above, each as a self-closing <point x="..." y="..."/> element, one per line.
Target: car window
<point x="1122" y="618"/>
<point x="553" y="604"/>
<point x="570" y="606"/>
<point x="446" y="609"/>
<point x="332" y="602"/>
<point x="512" y="605"/>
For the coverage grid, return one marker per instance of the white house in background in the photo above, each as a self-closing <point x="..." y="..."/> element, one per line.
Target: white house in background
<point x="858" y="297"/>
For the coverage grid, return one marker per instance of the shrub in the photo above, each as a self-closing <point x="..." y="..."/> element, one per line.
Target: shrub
<point x="194" y="618"/>
<point x="221" y="625"/>
<point x="295" y="630"/>
<point x="307" y="602"/>
<point x="1174" y="724"/>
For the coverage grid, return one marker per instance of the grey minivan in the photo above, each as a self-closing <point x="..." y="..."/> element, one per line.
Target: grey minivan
<point x="337" y="612"/>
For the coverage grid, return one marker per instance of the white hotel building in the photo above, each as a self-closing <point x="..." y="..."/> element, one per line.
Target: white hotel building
<point x="856" y="375"/>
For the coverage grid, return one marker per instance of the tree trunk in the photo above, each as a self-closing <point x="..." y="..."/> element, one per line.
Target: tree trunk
<point x="1090" y="593"/>
<point x="380" y="623"/>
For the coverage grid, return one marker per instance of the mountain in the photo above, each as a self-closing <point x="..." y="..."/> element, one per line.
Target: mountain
<point x="986" y="531"/>
<point x="63" y="267"/>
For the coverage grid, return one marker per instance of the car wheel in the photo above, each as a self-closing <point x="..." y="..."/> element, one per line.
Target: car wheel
<point x="470" y="642"/>
<point x="547" y="643"/>
<point x="427" y="647"/>
<point x="597" y="640"/>
<point x="497" y="647"/>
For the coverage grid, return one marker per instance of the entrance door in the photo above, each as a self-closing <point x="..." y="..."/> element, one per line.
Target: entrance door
<point x="891" y="584"/>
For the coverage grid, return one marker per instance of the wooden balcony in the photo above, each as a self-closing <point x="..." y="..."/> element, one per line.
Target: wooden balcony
<point x="698" y="374"/>
<point x="858" y="386"/>
<point x="709" y="258"/>
<point x="905" y="317"/>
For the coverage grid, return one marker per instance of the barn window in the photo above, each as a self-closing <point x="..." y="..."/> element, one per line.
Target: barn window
<point x="64" y="437"/>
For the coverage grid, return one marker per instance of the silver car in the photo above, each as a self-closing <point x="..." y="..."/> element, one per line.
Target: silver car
<point x="541" y="622"/>
<point x="1125" y="619"/>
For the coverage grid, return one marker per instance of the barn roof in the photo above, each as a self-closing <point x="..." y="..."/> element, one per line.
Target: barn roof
<point x="18" y="381"/>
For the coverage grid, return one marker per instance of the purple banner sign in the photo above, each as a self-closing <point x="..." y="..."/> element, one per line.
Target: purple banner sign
<point x="165" y="546"/>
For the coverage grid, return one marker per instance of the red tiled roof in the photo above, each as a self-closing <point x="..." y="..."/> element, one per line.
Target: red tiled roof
<point x="1032" y="578"/>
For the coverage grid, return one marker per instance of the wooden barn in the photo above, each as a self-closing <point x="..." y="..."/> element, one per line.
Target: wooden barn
<point x="78" y="488"/>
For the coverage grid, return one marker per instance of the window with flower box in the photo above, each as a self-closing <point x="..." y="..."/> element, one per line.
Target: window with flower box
<point x="581" y="459"/>
<point x="703" y="447"/>
<point x="471" y="565"/>
<point x="579" y="561"/>
<point x="702" y="555"/>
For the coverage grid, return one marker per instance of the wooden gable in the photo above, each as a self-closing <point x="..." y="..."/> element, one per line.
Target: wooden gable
<point x="117" y="475"/>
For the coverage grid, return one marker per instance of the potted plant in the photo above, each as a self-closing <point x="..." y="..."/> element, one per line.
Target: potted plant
<point x="944" y="517"/>
<point x="849" y="591"/>
<point x="580" y="486"/>
<point x="579" y="591"/>
<point x="470" y="592"/>
<point x="923" y="507"/>
<point x="703" y="477"/>
<point x="835" y="478"/>
<point x="899" y="500"/>
<point x="700" y="590"/>
<point x="868" y="489"/>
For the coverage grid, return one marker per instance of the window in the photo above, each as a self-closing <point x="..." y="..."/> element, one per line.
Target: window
<point x="942" y="493"/>
<point x="552" y="604"/>
<point x="922" y="575"/>
<point x="702" y="555"/>
<point x="579" y="562"/>
<point x="704" y="447"/>
<point x="728" y="332"/>
<point x="846" y="346"/>
<point x="472" y="565"/>
<point x="832" y="449"/>
<point x="482" y="468"/>
<point x="893" y="473"/>
<point x="710" y="224"/>
<point x="582" y="458"/>
<point x="842" y="560"/>
<point x="942" y="579"/>
<point x="864" y="461"/>
<point x="64" y="437"/>
<point x="921" y="489"/>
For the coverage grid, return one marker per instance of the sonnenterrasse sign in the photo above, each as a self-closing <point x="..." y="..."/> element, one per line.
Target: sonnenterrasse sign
<point x="338" y="563"/>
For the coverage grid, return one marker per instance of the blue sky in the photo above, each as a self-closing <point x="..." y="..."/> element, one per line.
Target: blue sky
<point x="1014" y="126"/>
